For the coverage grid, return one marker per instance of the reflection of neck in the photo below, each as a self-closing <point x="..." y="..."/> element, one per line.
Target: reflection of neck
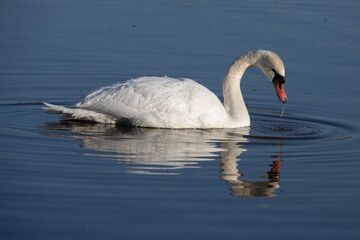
<point x="228" y="162"/>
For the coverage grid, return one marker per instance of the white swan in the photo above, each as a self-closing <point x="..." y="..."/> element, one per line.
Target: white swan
<point x="163" y="102"/>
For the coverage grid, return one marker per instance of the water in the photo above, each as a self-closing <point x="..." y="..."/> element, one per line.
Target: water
<point x="293" y="177"/>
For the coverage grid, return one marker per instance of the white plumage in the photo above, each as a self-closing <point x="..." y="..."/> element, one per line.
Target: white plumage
<point x="164" y="102"/>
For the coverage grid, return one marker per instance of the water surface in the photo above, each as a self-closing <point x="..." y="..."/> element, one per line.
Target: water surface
<point x="293" y="177"/>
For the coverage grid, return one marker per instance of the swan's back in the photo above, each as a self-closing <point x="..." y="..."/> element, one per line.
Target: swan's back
<point x="158" y="102"/>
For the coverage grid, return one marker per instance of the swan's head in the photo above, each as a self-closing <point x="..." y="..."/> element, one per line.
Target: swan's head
<point x="273" y="67"/>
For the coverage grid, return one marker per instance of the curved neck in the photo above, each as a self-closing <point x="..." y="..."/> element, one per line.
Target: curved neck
<point x="233" y="99"/>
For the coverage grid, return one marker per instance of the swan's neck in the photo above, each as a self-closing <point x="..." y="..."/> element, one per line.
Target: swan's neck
<point x="233" y="100"/>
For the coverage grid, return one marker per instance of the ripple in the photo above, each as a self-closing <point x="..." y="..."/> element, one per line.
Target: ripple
<point x="266" y="126"/>
<point x="22" y="115"/>
<point x="297" y="128"/>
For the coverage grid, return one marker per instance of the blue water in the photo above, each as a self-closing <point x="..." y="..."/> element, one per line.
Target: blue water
<point x="295" y="177"/>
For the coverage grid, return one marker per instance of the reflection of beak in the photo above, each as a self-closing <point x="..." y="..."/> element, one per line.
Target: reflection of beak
<point x="279" y="87"/>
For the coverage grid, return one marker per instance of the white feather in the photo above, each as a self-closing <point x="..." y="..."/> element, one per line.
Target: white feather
<point x="158" y="102"/>
<point x="164" y="102"/>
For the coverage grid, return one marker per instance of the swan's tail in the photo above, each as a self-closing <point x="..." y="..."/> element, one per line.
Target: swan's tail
<point x="79" y="114"/>
<point x="56" y="108"/>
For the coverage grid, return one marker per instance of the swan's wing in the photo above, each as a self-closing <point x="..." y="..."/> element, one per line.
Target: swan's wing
<point x="157" y="102"/>
<point x="137" y="96"/>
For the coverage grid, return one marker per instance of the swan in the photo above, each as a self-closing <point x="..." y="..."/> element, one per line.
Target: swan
<point x="164" y="102"/>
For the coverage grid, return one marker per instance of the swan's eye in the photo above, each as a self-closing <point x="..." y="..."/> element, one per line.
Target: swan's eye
<point x="278" y="77"/>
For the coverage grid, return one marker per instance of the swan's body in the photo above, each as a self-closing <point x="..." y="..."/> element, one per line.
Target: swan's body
<point x="164" y="102"/>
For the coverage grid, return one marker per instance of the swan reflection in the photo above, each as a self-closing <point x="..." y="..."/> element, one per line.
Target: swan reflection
<point x="229" y="173"/>
<point x="165" y="151"/>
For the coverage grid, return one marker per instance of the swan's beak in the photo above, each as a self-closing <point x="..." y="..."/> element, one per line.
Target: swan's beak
<point x="279" y="87"/>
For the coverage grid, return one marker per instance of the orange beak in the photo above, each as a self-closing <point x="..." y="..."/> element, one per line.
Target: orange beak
<point x="279" y="88"/>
